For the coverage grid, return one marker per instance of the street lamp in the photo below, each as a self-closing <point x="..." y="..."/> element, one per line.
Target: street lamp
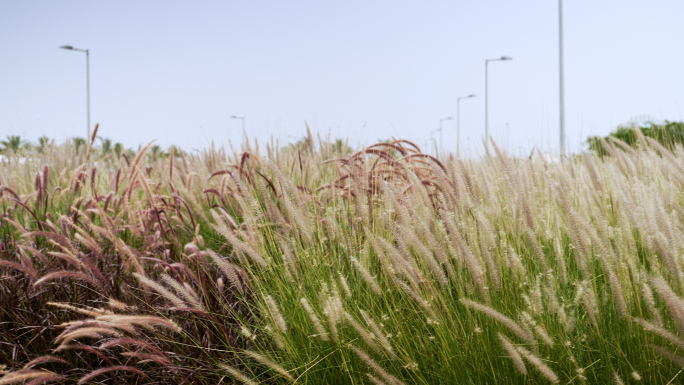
<point x="432" y="139"/>
<point x="87" y="52"/>
<point x="502" y="58"/>
<point x="562" y="93"/>
<point x="440" y="130"/>
<point x="243" y="121"/>
<point x="458" y="122"/>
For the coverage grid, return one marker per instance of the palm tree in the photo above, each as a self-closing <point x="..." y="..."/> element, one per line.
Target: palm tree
<point x="118" y="149"/>
<point x="78" y="142"/>
<point x="155" y="152"/>
<point x="106" y="145"/>
<point x="340" y="146"/>
<point x="43" y="142"/>
<point x="13" y="143"/>
<point x="305" y="144"/>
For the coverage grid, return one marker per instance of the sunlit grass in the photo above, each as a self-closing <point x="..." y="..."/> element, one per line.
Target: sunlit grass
<point x="309" y="264"/>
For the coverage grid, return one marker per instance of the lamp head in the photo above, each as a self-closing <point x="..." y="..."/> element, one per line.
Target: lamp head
<point x="66" y="47"/>
<point x="471" y="96"/>
<point x="506" y="58"/>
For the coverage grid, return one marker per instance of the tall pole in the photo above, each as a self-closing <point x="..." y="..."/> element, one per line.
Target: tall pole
<point x="87" y="52"/>
<point x="458" y="127"/>
<point x="88" y="89"/>
<point x="440" y="131"/>
<point x="440" y="137"/>
<point x="458" y="122"/>
<point x="562" y="93"/>
<point x="486" y="100"/>
<point x="434" y="142"/>
<point x="241" y="118"/>
<point x="502" y="58"/>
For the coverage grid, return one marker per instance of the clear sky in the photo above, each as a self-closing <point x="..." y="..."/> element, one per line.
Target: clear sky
<point x="363" y="70"/>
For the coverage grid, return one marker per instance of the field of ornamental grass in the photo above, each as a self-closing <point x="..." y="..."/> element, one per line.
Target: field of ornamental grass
<point x="310" y="264"/>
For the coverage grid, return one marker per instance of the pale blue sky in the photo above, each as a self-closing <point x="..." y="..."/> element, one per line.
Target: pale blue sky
<point x="363" y="70"/>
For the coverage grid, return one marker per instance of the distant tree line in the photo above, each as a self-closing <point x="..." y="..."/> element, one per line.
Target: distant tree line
<point x="668" y="134"/>
<point x="15" y="144"/>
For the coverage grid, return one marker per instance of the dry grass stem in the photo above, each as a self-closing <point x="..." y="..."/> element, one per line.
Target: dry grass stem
<point x="238" y="375"/>
<point x="514" y="355"/>
<point x="268" y="362"/>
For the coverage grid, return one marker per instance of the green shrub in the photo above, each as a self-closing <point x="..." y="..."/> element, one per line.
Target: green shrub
<point x="668" y="134"/>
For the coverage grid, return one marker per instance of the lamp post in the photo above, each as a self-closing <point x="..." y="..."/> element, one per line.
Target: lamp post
<point x="432" y="138"/>
<point x="243" y="121"/>
<point x="502" y="58"/>
<point x="87" y="52"/>
<point x="458" y="122"/>
<point x="440" y="130"/>
<point x="562" y="93"/>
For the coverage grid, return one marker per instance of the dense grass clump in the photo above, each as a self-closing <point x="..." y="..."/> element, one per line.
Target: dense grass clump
<point x="308" y="264"/>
